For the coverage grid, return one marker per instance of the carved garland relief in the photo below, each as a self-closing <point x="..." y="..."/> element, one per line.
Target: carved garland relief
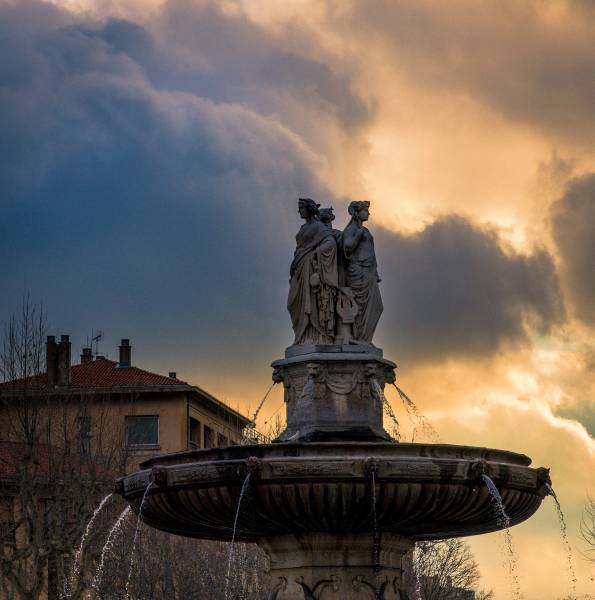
<point x="314" y="380"/>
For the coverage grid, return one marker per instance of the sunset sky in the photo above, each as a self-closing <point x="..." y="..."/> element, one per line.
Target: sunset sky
<point x="151" y="157"/>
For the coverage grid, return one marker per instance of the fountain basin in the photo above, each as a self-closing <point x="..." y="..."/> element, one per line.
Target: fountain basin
<point x="423" y="491"/>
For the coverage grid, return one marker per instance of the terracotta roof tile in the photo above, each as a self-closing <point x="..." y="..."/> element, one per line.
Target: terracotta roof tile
<point x="104" y="373"/>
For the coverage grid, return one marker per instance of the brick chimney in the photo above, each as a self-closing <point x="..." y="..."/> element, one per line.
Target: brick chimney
<point x="64" y="349"/>
<point x="87" y="355"/>
<point x="51" y="359"/>
<point x="125" y="353"/>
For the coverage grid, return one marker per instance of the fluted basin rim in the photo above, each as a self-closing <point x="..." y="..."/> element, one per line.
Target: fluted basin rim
<point x="379" y="449"/>
<point x="425" y="491"/>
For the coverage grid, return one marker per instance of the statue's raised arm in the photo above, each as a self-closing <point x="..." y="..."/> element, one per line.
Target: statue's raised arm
<point x="361" y="273"/>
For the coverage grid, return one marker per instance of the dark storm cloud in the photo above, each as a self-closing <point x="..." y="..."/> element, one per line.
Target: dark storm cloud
<point x="230" y="55"/>
<point x="141" y="209"/>
<point x="226" y="57"/>
<point x="531" y="61"/>
<point x="30" y="16"/>
<point x="454" y="290"/>
<point x="573" y="223"/>
<point x="164" y="210"/>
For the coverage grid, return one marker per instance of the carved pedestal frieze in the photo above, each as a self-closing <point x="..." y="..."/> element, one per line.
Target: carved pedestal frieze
<point x="334" y="395"/>
<point x="321" y="566"/>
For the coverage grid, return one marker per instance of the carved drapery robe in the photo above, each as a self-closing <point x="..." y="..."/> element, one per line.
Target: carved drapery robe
<point x="361" y="275"/>
<point x="313" y="285"/>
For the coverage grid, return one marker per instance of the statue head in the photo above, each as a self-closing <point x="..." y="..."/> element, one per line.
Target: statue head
<point x="359" y="210"/>
<point x="307" y="207"/>
<point x="327" y="216"/>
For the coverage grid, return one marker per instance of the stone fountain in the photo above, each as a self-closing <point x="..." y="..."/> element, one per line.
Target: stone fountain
<point x="335" y="502"/>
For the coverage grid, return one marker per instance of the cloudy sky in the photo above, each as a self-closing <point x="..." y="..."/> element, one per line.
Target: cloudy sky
<point x="151" y="155"/>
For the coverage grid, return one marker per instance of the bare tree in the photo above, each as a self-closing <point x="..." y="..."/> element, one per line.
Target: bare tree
<point x="52" y="474"/>
<point x="588" y="528"/>
<point x="178" y="568"/>
<point x="275" y="427"/>
<point x="444" y="570"/>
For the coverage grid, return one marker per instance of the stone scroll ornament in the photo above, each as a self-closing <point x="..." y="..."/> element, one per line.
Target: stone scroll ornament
<point x="334" y="297"/>
<point x="309" y="593"/>
<point x="315" y="592"/>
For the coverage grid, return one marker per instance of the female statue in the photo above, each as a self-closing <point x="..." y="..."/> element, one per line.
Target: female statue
<point x="361" y="273"/>
<point x="327" y="216"/>
<point x="313" y="279"/>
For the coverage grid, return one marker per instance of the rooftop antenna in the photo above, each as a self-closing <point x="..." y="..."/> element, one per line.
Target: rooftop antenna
<point x="96" y="336"/>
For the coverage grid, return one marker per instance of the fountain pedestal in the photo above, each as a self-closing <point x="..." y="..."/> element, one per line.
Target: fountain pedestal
<point x="324" y="566"/>
<point x="334" y="392"/>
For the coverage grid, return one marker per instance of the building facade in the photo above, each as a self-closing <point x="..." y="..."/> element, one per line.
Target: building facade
<point x="160" y="413"/>
<point x="95" y="419"/>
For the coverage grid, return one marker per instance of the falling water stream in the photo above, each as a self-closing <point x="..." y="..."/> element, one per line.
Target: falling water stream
<point x="565" y="541"/>
<point x="418" y="595"/>
<point x="134" y="540"/>
<point x="388" y="409"/>
<point x="420" y="421"/>
<point x="415" y="568"/>
<point x="502" y="518"/>
<point x="233" y="537"/>
<point x="109" y="543"/>
<point x="243" y="570"/>
<point x="76" y="568"/>
<point x="503" y="521"/>
<point x="252" y="423"/>
<point x="376" y="537"/>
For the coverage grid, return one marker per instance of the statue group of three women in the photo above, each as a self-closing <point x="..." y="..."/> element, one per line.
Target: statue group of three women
<point x="333" y="290"/>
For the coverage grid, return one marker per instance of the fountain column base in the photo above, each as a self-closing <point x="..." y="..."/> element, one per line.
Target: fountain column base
<point x="323" y="566"/>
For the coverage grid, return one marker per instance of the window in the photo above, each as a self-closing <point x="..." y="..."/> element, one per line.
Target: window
<point x="142" y="431"/>
<point x="194" y="433"/>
